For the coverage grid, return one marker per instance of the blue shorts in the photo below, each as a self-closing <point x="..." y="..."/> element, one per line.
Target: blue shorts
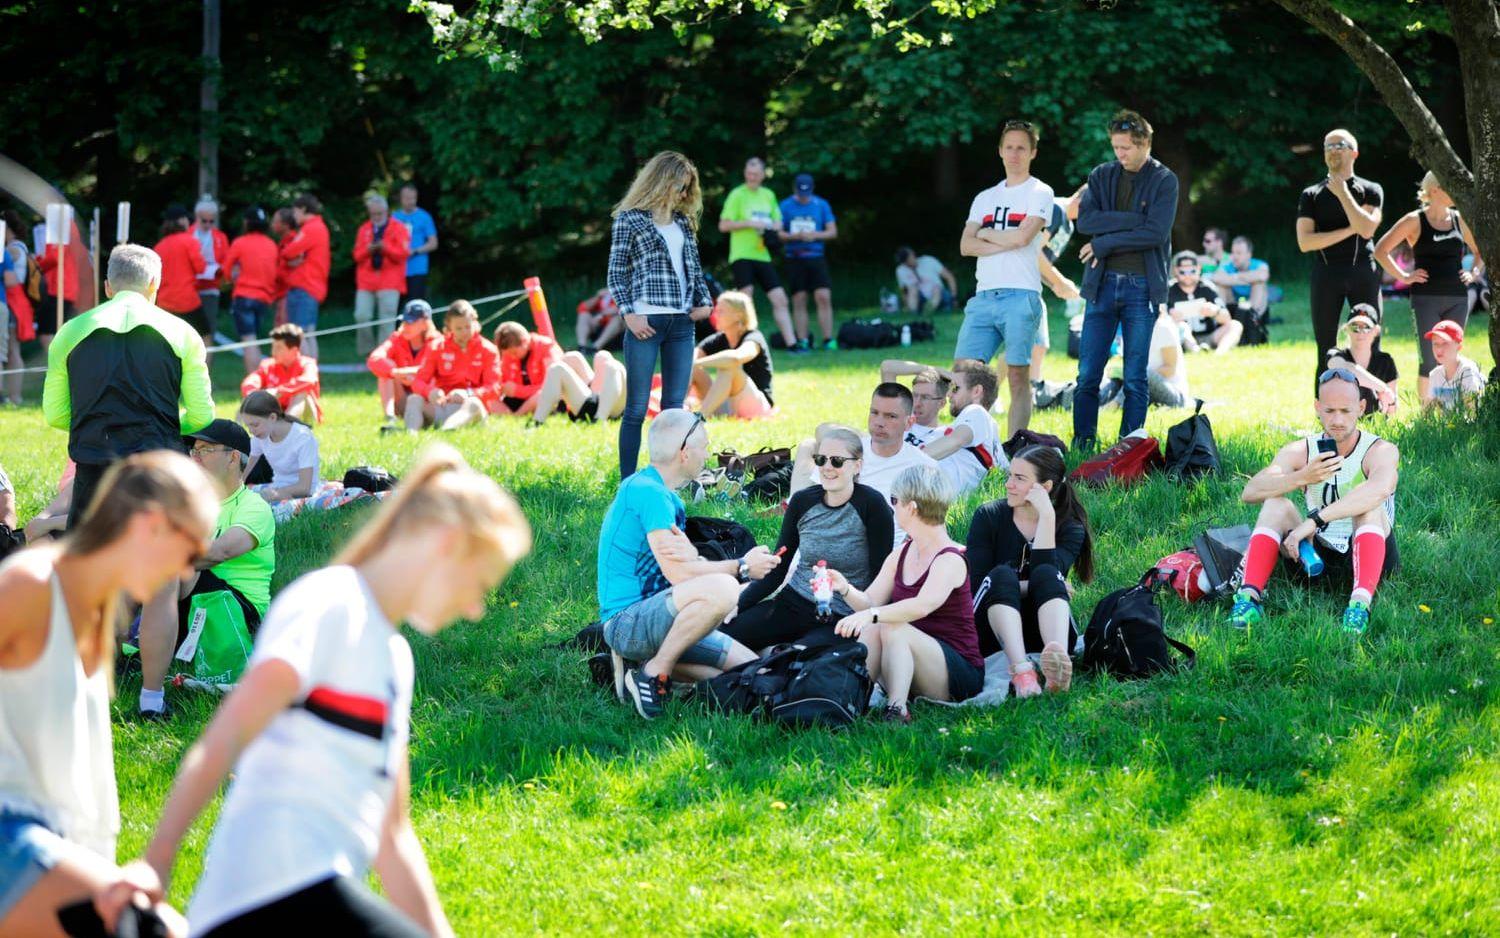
<point x="301" y="309"/>
<point x="249" y="315"/>
<point x="28" y="851"/>
<point x="993" y="318"/>
<point x="637" y="631"/>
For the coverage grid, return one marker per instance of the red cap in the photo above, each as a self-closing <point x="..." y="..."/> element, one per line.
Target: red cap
<point x="1448" y="329"/>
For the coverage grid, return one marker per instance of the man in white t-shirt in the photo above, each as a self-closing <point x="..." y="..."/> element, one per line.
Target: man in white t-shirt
<point x="925" y="283"/>
<point x="1166" y="366"/>
<point x="929" y="389"/>
<point x="1005" y="231"/>
<point x="968" y="448"/>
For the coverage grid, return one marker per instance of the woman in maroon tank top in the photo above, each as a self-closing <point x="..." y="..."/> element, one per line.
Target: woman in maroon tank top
<point x="916" y="620"/>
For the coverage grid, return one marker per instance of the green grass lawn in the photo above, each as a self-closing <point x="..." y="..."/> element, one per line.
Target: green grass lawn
<point x="1296" y="782"/>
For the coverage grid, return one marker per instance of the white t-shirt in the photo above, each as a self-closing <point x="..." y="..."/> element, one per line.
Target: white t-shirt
<point x="298" y="451"/>
<point x="967" y="467"/>
<point x="918" y="435"/>
<point x="1467" y="382"/>
<point x="310" y="794"/>
<point x="672" y="234"/>
<point x="1164" y="333"/>
<point x="1005" y="207"/>
<point x="927" y="276"/>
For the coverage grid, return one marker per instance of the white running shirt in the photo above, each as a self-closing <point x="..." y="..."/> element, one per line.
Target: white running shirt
<point x="1004" y="207"/>
<point x="967" y="467"/>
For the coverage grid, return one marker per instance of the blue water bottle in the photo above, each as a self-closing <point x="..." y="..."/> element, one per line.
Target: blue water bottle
<point x="1312" y="564"/>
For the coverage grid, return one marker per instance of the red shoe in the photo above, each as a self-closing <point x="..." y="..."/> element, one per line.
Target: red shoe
<point x="1024" y="683"/>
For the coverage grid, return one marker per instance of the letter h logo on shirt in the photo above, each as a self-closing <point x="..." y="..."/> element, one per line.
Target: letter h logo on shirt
<point x="1003" y="218"/>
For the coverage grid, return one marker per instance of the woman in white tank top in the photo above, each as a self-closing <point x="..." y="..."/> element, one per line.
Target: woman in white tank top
<point x="153" y="517"/>
<point x="316" y="731"/>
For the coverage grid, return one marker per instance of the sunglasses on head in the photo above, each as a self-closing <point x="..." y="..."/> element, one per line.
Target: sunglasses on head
<point x="697" y="422"/>
<point x="1126" y="126"/>
<point x="820" y="460"/>
<point x="1338" y="374"/>
<point x="1018" y="125"/>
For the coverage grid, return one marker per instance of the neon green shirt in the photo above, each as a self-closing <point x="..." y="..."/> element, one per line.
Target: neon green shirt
<point x="250" y="572"/>
<point x="746" y="204"/>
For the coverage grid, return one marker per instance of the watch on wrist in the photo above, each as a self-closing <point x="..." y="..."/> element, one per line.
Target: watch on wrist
<point x="744" y="570"/>
<point x="1316" y="517"/>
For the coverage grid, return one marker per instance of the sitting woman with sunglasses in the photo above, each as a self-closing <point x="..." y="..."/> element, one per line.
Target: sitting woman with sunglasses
<point x="1374" y="369"/>
<point x="841" y="522"/>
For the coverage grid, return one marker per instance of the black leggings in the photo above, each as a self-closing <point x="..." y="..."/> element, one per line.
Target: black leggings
<point x="786" y="618"/>
<point x="1331" y="286"/>
<point x="336" y="906"/>
<point x="1002" y="587"/>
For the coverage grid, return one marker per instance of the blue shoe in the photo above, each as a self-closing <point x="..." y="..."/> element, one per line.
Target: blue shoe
<point x="1357" y="617"/>
<point x="1247" y="611"/>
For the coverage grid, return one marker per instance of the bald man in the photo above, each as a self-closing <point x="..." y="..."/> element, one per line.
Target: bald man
<point x="1336" y="222"/>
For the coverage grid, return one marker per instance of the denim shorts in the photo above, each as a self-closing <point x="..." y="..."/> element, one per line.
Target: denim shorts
<point x="993" y="318"/>
<point x="28" y="851"/>
<point x="301" y="308"/>
<point x="249" y="315"/>
<point x="637" y="631"/>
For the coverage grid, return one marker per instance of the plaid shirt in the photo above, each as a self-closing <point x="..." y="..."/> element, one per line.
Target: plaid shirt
<point x="640" y="267"/>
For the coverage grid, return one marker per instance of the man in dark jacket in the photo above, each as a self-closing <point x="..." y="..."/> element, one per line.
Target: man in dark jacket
<point x="1128" y="207"/>
<point x="125" y="377"/>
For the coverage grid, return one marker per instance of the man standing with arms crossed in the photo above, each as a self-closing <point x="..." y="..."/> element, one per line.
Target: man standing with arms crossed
<point x="1336" y="221"/>
<point x="1128" y="208"/>
<point x="1004" y="231"/>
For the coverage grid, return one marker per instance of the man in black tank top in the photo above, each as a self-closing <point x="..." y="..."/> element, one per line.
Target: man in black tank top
<point x="1336" y="220"/>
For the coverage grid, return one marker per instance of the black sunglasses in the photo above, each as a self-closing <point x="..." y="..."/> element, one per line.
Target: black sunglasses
<point x="820" y="460"/>
<point x="697" y="422"/>
<point x="1019" y="125"/>
<point x="895" y="501"/>
<point x="1338" y="374"/>
<point x="1126" y="126"/>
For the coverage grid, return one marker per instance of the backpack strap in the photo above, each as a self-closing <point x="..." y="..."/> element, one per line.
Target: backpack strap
<point x="1187" y="651"/>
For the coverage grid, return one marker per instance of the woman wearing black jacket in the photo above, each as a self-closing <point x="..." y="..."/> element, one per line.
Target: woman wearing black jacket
<point x="840" y="521"/>
<point x="1020" y="550"/>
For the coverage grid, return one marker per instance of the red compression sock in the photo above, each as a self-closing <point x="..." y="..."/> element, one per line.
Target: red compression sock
<point x="1260" y="559"/>
<point x="1369" y="558"/>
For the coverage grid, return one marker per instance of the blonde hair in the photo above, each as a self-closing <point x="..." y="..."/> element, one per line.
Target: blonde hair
<point x="1425" y="187"/>
<point x="509" y="334"/>
<point x="461" y="309"/>
<point x="442" y="490"/>
<point x="741" y="303"/>
<point x="159" y="480"/>
<point x="668" y="181"/>
<point x="928" y="489"/>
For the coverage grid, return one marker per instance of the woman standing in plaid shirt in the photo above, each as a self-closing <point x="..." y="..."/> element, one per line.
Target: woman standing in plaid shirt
<point x="656" y="279"/>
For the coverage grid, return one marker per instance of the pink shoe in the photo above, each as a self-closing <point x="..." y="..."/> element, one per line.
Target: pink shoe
<point x="1057" y="668"/>
<point x="1023" y="683"/>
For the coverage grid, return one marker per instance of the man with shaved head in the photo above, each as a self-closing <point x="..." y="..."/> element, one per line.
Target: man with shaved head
<point x="1336" y="222"/>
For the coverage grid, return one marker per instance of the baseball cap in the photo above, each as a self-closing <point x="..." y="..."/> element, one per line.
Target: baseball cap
<point x="1365" y="310"/>
<point x="1448" y="329"/>
<point x="804" y="182"/>
<point x="225" y="433"/>
<point x="415" y="310"/>
<point x="176" y="212"/>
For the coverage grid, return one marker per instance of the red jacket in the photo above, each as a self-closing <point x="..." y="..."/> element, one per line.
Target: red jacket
<point x="286" y="382"/>
<point x="395" y="353"/>
<point x="258" y="261"/>
<point x="48" y="264"/>
<point x="395" y="246"/>
<point x="221" y="248"/>
<point x="527" y="374"/>
<point x="476" y="367"/>
<point x="181" y="263"/>
<point x="311" y="244"/>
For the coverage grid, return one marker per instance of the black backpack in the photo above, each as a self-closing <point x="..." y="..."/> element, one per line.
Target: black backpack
<point x="797" y="685"/>
<point x="1125" y="637"/>
<point x="1192" y="450"/>
<point x="868" y="333"/>
<point x="770" y="484"/>
<point x="1257" y="325"/>
<point x="719" y="538"/>
<point x="369" y="478"/>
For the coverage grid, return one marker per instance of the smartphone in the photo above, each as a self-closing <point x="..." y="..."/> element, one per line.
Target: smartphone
<point x="1325" y="445"/>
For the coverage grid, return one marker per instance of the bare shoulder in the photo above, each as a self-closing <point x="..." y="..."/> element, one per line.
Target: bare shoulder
<point x="25" y="590"/>
<point x="1383" y="450"/>
<point x="1293" y="455"/>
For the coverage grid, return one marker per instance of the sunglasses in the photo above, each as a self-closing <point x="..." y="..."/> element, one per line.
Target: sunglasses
<point x="198" y="452"/>
<point x="1338" y="145"/>
<point x="1360" y="328"/>
<point x="199" y="551"/>
<point x="697" y="422"/>
<point x="895" y="501"/>
<point x="1126" y="126"/>
<point x="1338" y="374"/>
<point x="838" y="461"/>
<point x="1010" y="125"/>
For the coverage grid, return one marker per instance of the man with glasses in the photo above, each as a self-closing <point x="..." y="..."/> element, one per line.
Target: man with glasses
<point x="240" y="562"/>
<point x="1346" y="479"/>
<point x="1195" y="304"/>
<point x="1336" y="222"/>
<point x="1128" y="209"/>
<point x="660" y="602"/>
<point x="1004" y="232"/>
<point x="1215" y="255"/>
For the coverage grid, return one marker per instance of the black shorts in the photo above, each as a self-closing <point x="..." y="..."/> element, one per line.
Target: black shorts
<point x="209" y="583"/>
<point x="514" y="403"/>
<point x="45" y="315"/>
<point x="1338" y="568"/>
<point x="748" y="273"/>
<point x="964" y="680"/>
<point x="210" y="309"/>
<point x="335" y="906"/>
<point x="588" y="410"/>
<point x="198" y="319"/>
<point x="804" y="274"/>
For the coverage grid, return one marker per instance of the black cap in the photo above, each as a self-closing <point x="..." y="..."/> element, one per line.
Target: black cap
<point x="176" y="212"/>
<point x="225" y="433"/>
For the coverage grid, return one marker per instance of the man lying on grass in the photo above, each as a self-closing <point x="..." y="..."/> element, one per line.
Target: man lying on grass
<point x="660" y="602"/>
<point x="1347" y="478"/>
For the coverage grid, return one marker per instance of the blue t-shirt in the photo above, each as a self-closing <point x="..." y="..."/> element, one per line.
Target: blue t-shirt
<point x="422" y="227"/>
<point x="1229" y="268"/>
<point x="815" y="215"/>
<point x="628" y="571"/>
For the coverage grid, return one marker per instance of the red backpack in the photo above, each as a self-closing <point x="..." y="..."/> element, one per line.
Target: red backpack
<point x="1183" y="572"/>
<point x="1127" y="461"/>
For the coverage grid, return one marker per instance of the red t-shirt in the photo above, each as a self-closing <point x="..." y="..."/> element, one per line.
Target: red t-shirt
<point x="311" y="244"/>
<point x="221" y="248"/>
<point x="256" y="257"/>
<point x="181" y="263"/>
<point x="47" y="263"/>
<point x="475" y="367"/>
<point x="528" y="373"/>
<point x="395" y="353"/>
<point x="287" y="381"/>
<point x="395" y="246"/>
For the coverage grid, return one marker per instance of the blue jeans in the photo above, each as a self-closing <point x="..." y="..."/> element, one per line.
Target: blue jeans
<point x="993" y="318"/>
<point x="1123" y="303"/>
<point x="301" y="309"/>
<point x="674" y="341"/>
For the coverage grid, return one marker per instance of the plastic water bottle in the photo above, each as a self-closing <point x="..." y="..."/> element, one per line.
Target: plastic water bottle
<point x="822" y="587"/>
<point x="906" y="335"/>
<point x="1073" y="307"/>
<point x="1312" y="564"/>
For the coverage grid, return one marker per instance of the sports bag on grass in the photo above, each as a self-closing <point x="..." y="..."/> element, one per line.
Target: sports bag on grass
<point x="755" y="463"/>
<point x="1222" y="551"/>
<point x="369" y="478"/>
<point x="1024" y="438"/>
<point x="1125" y="637"/>
<point x="771" y="485"/>
<point x="1127" y="461"/>
<point x="868" y="333"/>
<point x="1192" y="450"/>
<point x="797" y="685"/>
<point x="218" y="641"/>
<point x="1183" y="573"/>
<point x="719" y="538"/>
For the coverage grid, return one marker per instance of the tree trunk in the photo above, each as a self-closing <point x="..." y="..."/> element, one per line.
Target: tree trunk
<point x="1169" y="144"/>
<point x="208" y="103"/>
<point x="945" y="173"/>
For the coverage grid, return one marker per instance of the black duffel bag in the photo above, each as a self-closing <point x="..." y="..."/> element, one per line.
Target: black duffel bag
<point x="1126" y="638"/>
<point x="868" y="333"/>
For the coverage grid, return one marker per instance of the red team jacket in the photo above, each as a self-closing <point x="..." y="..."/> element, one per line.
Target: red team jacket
<point x="311" y="244"/>
<point x="47" y="263"/>
<point x="395" y="246"/>
<point x="256" y="257"/>
<point x="181" y="263"/>
<point x="395" y="353"/>
<point x="476" y="367"/>
<point x="287" y="382"/>
<point x="527" y="374"/>
<point x="221" y="248"/>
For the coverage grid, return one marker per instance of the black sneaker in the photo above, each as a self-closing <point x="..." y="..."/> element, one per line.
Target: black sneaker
<point x="649" y="694"/>
<point x="164" y="715"/>
<point x="391" y="426"/>
<point x="895" y="715"/>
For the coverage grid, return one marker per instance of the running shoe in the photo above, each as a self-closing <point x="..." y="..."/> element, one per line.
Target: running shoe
<point x="831" y="345"/>
<point x="1057" y="668"/>
<point x="1247" y="610"/>
<point x="1024" y="683"/>
<point x="649" y="694"/>
<point x="617" y="673"/>
<point x="1357" y="617"/>
<point x="391" y="426"/>
<point x="894" y="714"/>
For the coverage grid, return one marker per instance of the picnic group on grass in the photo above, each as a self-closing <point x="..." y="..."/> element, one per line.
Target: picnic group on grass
<point x="167" y="516"/>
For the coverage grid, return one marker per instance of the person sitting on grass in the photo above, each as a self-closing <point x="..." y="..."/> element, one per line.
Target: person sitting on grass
<point x="1375" y="368"/>
<point x="1347" y="479"/>
<point x="969" y="447"/>
<point x="1244" y="278"/>
<point x="1196" y="304"/>
<point x="929" y="391"/>
<point x="660" y="602"/>
<point x="315" y="737"/>
<point x="841" y="522"/>
<point x="740" y="357"/>
<point x="288" y="446"/>
<point x="290" y="375"/>
<point x="396" y="361"/>
<point x="600" y="326"/>
<point x="916" y="620"/>
<point x="1166" y="367"/>
<point x="240" y="561"/>
<point x="1456" y="382"/>
<point x="586" y="393"/>
<point x="1020" y="550"/>
<point x="458" y="378"/>
<point x="524" y="360"/>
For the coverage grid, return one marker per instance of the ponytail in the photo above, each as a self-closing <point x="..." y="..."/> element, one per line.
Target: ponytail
<point x="264" y="404"/>
<point x="1066" y="505"/>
